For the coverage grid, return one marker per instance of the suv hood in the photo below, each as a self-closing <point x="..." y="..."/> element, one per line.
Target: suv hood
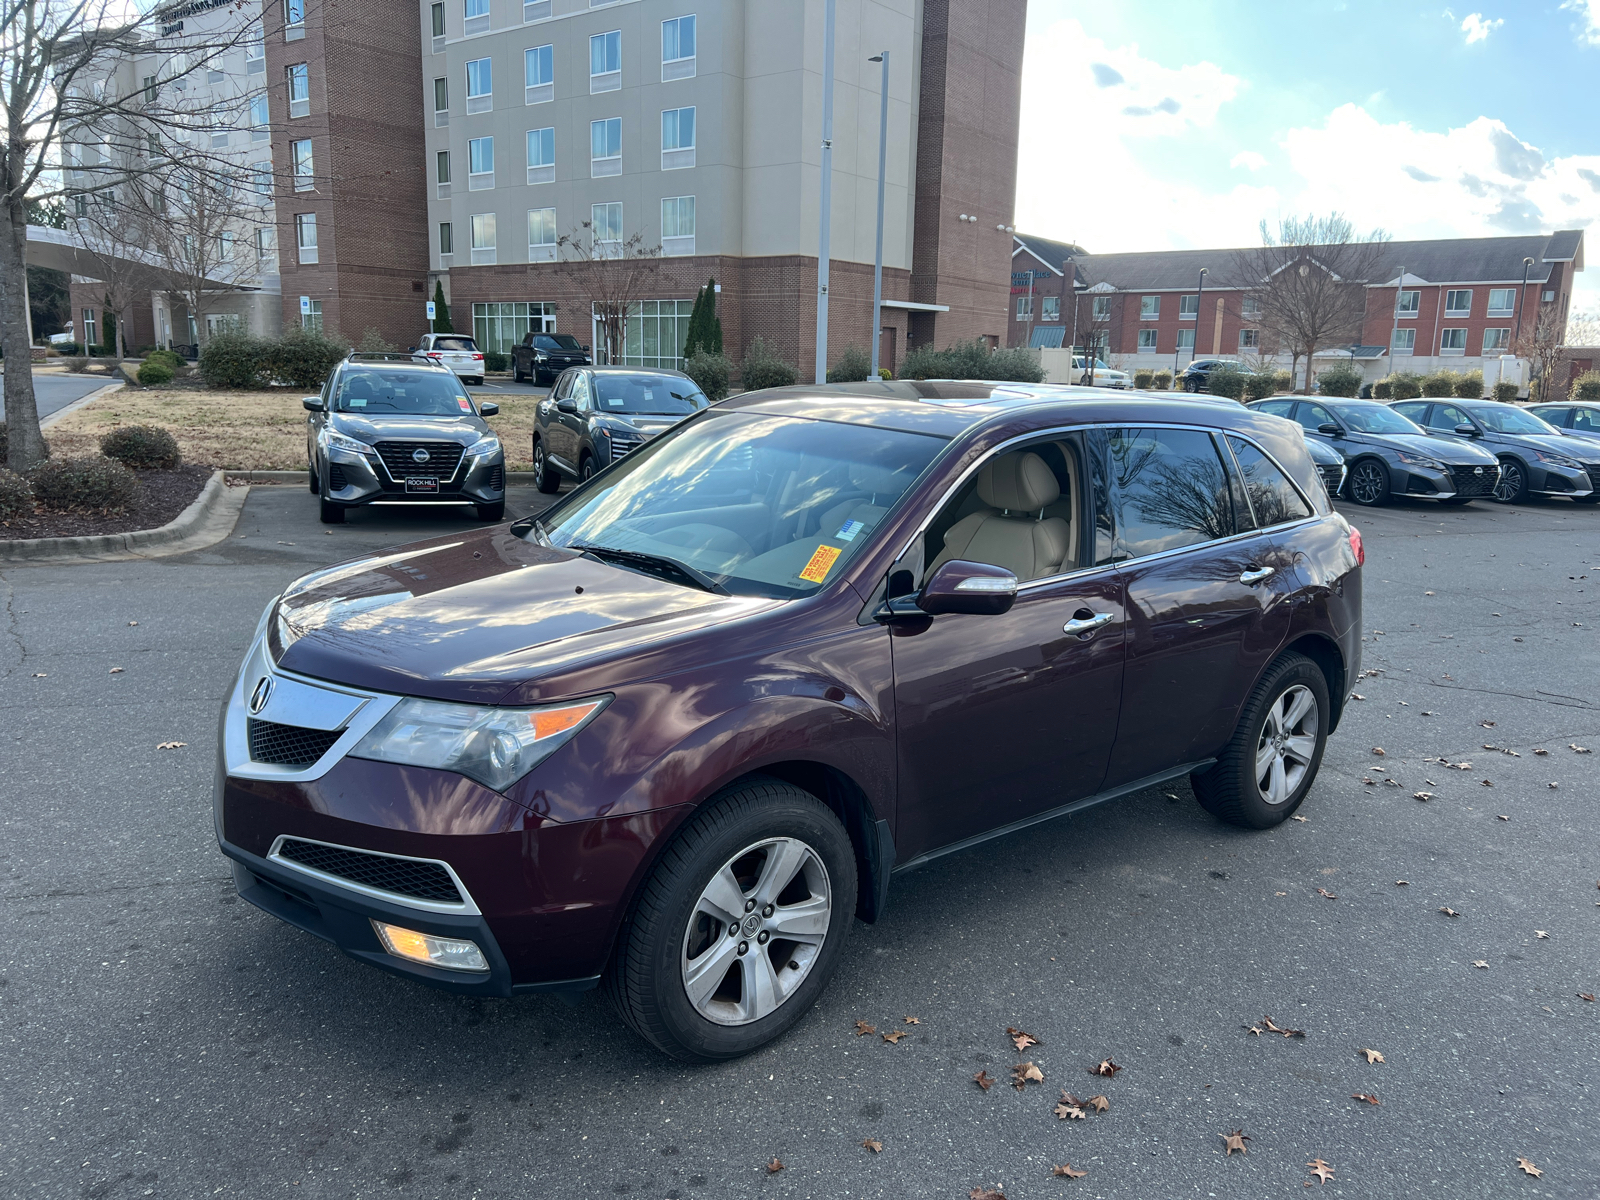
<point x="1448" y="450"/>
<point x="485" y="618"/>
<point x="466" y="429"/>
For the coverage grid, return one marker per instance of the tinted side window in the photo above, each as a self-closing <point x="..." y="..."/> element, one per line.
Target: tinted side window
<point x="1313" y="416"/>
<point x="1412" y="412"/>
<point x="1447" y="416"/>
<point x="1272" y="497"/>
<point x="1277" y="408"/>
<point x="580" y="390"/>
<point x="1169" y="490"/>
<point x="1586" y="419"/>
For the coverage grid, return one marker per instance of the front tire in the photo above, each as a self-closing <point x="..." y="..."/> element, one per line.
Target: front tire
<point x="737" y="930"/>
<point x="544" y="475"/>
<point x="332" y="512"/>
<point x="586" y="469"/>
<point x="1512" y="486"/>
<point x="1266" y="770"/>
<point x="313" y="483"/>
<point x="492" y="512"/>
<point x="1368" y="483"/>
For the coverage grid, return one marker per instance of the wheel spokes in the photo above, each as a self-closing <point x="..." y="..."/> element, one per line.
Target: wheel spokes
<point x="1300" y="748"/>
<point x="784" y="860"/>
<point x="761" y="991"/>
<point x="702" y="976"/>
<point x="803" y="922"/>
<point x="1298" y="703"/>
<point x="723" y="898"/>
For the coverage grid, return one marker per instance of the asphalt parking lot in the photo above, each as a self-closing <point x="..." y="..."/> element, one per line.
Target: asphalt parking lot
<point x="159" y="1037"/>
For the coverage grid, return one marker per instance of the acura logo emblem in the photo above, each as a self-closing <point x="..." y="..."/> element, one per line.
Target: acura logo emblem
<point x="419" y="455"/>
<point x="263" y="693"/>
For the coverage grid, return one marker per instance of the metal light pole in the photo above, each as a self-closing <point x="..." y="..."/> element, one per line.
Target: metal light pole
<point x="1394" y="331"/>
<point x="1522" y="300"/>
<point x="827" y="192"/>
<point x="1069" y="288"/>
<point x="877" y="262"/>
<point x="1194" y="350"/>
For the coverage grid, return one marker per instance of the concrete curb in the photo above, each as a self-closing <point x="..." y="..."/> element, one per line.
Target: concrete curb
<point x="206" y="521"/>
<point x="80" y="402"/>
<point x="513" y="478"/>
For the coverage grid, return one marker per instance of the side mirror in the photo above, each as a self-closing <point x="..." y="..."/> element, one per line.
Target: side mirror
<point x="584" y="347"/>
<point x="1467" y="429"/>
<point x="488" y="409"/>
<point x="312" y="403"/>
<point x="1329" y="428"/>
<point x="978" y="589"/>
<point x="567" y="405"/>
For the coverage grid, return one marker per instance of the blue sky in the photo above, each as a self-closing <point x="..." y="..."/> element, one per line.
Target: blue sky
<point x="1152" y="125"/>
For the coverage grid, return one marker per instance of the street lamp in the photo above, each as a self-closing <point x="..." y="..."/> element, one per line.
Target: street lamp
<point x="1522" y="299"/>
<point x="825" y="223"/>
<point x="1394" y="329"/>
<point x="1195" y="349"/>
<point x="877" y="262"/>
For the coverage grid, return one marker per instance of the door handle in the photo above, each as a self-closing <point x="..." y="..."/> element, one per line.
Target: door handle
<point x="1256" y="574"/>
<point x="1083" y="626"/>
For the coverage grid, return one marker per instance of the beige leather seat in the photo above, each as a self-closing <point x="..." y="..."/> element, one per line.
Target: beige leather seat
<point x="1012" y="533"/>
<point x="879" y="487"/>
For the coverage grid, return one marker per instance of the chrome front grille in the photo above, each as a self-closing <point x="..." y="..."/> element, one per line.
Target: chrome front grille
<point x="400" y="458"/>
<point x="288" y="745"/>
<point x="1332" y="476"/>
<point x="1469" y="484"/>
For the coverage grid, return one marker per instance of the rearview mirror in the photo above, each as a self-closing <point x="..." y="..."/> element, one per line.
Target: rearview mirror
<point x="312" y="403"/>
<point x="1466" y="429"/>
<point x="978" y="589"/>
<point x="1329" y="428"/>
<point x="488" y="409"/>
<point x="567" y="405"/>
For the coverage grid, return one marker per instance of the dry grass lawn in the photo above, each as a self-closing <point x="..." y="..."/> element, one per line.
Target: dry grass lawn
<point x="243" y="431"/>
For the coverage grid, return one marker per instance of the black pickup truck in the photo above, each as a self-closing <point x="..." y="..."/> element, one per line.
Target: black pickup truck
<point x="543" y="356"/>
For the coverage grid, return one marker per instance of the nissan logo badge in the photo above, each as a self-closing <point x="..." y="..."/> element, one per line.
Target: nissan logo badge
<point x="419" y="455"/>
<point x="263" y="693"/>
<point x="1479" y="471"/>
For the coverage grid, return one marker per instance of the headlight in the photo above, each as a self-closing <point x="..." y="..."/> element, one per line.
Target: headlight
<point x="338" y="441"/>
<point x="483" y="447"/>
<point x="495" y="746"/>
<point x="539" y="356"/>
<point x="1419" y="460"/>
<point x="1557" y="460"/>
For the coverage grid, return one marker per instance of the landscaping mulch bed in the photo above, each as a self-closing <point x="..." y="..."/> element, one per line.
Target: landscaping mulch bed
<point x="162" y="496"/>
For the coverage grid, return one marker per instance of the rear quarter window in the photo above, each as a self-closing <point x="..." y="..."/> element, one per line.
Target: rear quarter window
<point x="1273" y="499"/>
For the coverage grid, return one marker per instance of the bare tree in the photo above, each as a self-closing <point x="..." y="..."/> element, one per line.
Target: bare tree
<point x="72" y="130"/>
<point x="108" y="235"/>
<point x="1309" y="279"/>
<point x="615" y="273"/>
<point x="1548" y="342"/>
<point x="1099" y="315"/>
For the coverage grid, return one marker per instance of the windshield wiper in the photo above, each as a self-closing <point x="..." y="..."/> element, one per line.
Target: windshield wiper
<point x="654" y="564"/>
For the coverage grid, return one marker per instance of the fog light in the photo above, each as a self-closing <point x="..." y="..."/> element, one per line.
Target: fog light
<point x="453" y="954"/>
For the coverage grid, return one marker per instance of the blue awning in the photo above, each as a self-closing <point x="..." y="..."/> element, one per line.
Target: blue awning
<point x="1047" y="336"/>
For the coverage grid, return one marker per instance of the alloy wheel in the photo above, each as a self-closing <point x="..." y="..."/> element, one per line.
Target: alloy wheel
<point x="1287" y="743"/>
<point x="1509" y="486"/>
<point x="756" y="931"/>
<point x="539" y="464"/>
<point x="1367" y="483"/>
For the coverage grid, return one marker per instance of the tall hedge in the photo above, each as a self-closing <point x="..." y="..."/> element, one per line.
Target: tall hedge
<point x="301" y="358"/>
<point x="972" y="360"/>
<point x="709" y="371"/>
<point x="762" y="368"/>
<point x="853" y="366"/>
<point x="1469" y="385"/>
<point x="705" y="327"/>
<point x="1439" y="383"/>
<point x="1586" y="387"/>
<point x="1341" y="380"/>
<point x="441" y="310"/>
<point x="233" y="361"/>
<point x="1226" y="381"/>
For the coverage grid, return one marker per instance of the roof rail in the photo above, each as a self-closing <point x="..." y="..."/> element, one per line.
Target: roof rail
<point x="403" y="356"/>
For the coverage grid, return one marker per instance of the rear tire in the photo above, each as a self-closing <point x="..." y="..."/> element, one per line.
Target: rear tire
<point x="492" y="512"/>
<point x="544" y="475"/>
<point x="1368" y="483"/>
<point x="737" y="849"/>
<point x="516" y="372"/>
<point x="1266" y="770"/>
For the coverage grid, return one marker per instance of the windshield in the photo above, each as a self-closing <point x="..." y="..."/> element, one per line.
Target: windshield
<point x="556" y="341"/>
<point x="668" y="394"/>
<point x="454" y="343"/>
<point x="763" y="505"/>
<point x="423" y="393"/>
<point x="1376" y="418"/>
<point x="1505" y="419"/>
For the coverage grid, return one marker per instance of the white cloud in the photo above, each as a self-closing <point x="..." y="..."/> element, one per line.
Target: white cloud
<point x="1589" y="10"/>
<point x="1248" y="158"/>
<point x="1477" y="29"/>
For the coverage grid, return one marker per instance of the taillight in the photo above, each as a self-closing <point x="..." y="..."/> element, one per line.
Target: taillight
<point x="1356" y="547"/>
<point x="477" y="358"/>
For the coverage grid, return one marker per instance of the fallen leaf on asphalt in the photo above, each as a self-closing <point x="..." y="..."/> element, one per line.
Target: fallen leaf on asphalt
<point x="1402" y="883"/>
<point x="983" y="1193"/>
<point x="1370" y="782"/>
<point x="1460" y="766"/>
<point x="1427" y="593"/>
<point x="862" y="1029"/>
<point x="1321" y="1170"/>
<point x="1488" y="783"/>
<point x="1372" y="1055"/>
<point x="1325" y="892"/>
<point x="1070" y="1108"/>
<point x="1379" y="751"/>
<point x="1487" y="725"/>
<point x="1105" y="1067"/>
<point x="1502" y="749"/>
<point x="983" y="1080"/>
<point x="40" y="675"/>
<point x="913" y="1020"/>
<point x="1552" y="785"/>
<point x="171" y="745"/>
<point x="1392" y="782"/>
<point x="1367" y="1097"/>
<point x="1577" y="749"/>
<point x="874" y="1145"/>
<point x="116" y="670"/>
<point x="1541" y="935"/>
<point x="774" y="1166"/>
<point x="1422" y="796"/>
<point x="1357" y="696"/>
<point x="1297" y="817"/>
<point x="1541" y="753"/>
<point x="1589" y="996"/>
<point x="1271" y="1028"/>
<point x="1021" y="1040"/>
<point x="1502" y="817"/>
<point x="1280" y="893"/>
<point x="133" y="622"/>
<point x="1449" y="912"/>
<point x="1255" y="1029"/>
<point x="1481" y="965"/>
<point x="1528" y="1168"/>
<point x="1025" y="1073"/>
<point x="1065" y="1171"/>
<point x="894" y="1036"/>
<point x="1099" y="1103"/>
<point x="1234" y="1141"/>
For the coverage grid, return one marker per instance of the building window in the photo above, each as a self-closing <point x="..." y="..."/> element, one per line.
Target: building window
<point x="541" y="235"/>
<point x="1458" y="301"/>
<point x="605" y="62"/>
<point x="1052" y="308"/>
<point x="1405" y="342"/>
<point x="152" y="89"/>
<point x="1250" y="339"/>
<point x="259" y="120"/>
<point x="677" y="138"/>
<point x="498" y="327"/>
<point x="1024" y="308"/>
<point x="677" y="225"/>
<point x="605" y="147"/>
<point x="299" y="90"/>
<point x="655" y="334"/>
<point x="255" y="55"/>
<point x="535" y="10"/>
<point x="480" y="164"/>
<point x="542" y="155"/>
<point x="260" y="179"/>
<point x="266" y="244"/>
<point x="1548" y="295"/>
<point x="1149" y="308"/>
<point x="1250" y="308"/>
<point x="1186" y="339"/>
<point x="1147" y="341"/>
<point x="447" y="239"/>
<point x="1408" y="304"/>
<point x="441" y="102"/>
<point x="677" y="48"/>
<point x="1496" y="341"/>
<point x="480" y="85"/>
<point x="225" y="246"/>
<point x="1453" y="341"/>
<point x="605" y="229"/>
<point x="538" y="74"/>
<point x="305" y="236"/>
<point x="436" y="18"/>
<point x="294" y="19"/>
<point x="88" y="329"/>
<point x="219" y="140"/>
<point x="1102" y="308"/>
<point x="441" y="170"/>
<point x="483" y="239"/>
<point x="477" y="17"/>
<point x="312" y="318"/>
<point x="1188" y="308"/>
<point x="300" y="155"/>
<point x="1502" y="300"/>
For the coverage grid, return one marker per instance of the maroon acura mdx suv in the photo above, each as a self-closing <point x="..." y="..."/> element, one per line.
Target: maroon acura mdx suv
<point x="672" y="736"/>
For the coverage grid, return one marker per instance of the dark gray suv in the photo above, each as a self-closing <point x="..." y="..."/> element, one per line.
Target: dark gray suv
<point x="390" y="428"/>
<point x="595" y="415"/>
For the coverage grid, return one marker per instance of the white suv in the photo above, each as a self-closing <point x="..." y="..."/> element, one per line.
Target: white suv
<point x="454" y="350"/>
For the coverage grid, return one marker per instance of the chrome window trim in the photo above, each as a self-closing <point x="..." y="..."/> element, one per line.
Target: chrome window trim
<point x="468" y="907"/>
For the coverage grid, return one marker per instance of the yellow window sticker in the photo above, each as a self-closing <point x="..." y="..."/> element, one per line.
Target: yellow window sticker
<point x="821" y="563"/>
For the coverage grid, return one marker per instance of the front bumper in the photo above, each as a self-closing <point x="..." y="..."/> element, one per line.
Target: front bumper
<point x="1546" y="479"/>
<point x="363" y="479"/>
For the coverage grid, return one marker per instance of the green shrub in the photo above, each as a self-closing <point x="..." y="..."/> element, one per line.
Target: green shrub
<point x="16" y="496"/>
<point x="373" y="342"/>
<point x="1143" y="378"/>
<point x="1506" y="392"/>
<point x="1341" y="380"/>
<point x="98" y="483"/>
<point x="1403" y="385"/>
<point x="885" y="374"/>
<point x="154" y="374"/>
<point x="302" y="358"/>
<point x="710" y="372"/>
<point x="762" y="368"/>
<point x="235" y="361"/>
<point x="1258" y="385"/>
<point x="142" y="447"/>
<point x="1469" y="385"/>
<point x="973" y="360"/>
<point x="493" y="360"/>
<point x="1586" y="387"/>
<point x="167" y="358"/>
<point x="1383" y="389"/>
<point x="853" y="366"/>
<point x="1228" y="382"/>
<point x="1162" y="380"/>
<point x="77" y="363"/>
<point x="1439" y="383"/>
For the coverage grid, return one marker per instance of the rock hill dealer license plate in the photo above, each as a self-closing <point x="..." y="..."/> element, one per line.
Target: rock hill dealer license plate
<point x="422" y="483"/>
